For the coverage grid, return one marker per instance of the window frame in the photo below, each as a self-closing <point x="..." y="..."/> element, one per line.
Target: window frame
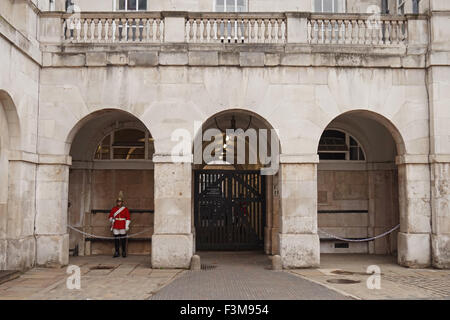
<point x="347" y="153"/>
<point x="111" y="134"/>
<point x="225" y="6"/>
<point x="344" y="7"/>
<point x="116" y="2"/>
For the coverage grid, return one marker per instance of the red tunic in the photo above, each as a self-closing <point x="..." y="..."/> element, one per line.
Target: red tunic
<point x="120" y="219"/>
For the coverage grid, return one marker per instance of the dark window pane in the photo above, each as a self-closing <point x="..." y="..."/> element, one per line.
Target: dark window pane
<point x="122" y="4"/>
<point x="331" y="156"/>
<point x="361" y="155"/>
<point x="131" y="5"/>
<point x="129" y="137"/>
<point x="129" y="153"/>
<point x="143" y="5"/>
<point x="333" y="140"/>
<point x="354" y="153"/>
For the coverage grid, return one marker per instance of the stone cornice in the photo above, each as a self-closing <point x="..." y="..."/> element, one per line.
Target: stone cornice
<point x="20" y="41"/>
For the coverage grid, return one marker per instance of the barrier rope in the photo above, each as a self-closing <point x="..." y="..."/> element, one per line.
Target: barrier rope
<point x="361" y="240"/>
<point x="108" y="238"/>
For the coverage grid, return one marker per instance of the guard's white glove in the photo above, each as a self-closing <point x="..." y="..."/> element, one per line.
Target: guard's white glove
<point x="127" y="225"/>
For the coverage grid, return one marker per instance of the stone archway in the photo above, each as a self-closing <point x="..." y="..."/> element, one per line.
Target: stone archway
<point x="242" y="171"/>
<point x="111" y="151"/>
<point x="362" y="199"/>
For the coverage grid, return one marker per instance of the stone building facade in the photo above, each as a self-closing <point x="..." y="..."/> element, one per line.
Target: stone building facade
<point x="100" y="99"/>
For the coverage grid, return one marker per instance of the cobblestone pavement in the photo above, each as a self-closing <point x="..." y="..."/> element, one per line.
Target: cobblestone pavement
<point x="102" y="277"/>
<point x="396" y="282"/>
<point x="241" y="276"/>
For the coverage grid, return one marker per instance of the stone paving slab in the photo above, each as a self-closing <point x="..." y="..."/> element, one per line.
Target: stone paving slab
<point x="128" y="279"/>
<point x="396" y="282"/>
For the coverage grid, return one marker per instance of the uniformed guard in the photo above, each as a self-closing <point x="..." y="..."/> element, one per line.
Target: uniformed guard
<point x="120" y="224"/>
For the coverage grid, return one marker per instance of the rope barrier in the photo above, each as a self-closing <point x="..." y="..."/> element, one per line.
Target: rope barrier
<point x="361" y="240"/>
<point x="108" y="238"/>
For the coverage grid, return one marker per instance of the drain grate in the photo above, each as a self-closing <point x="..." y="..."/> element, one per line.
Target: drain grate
<point x="102" y="267"/>
<point x="343" y="281"/>
<point x="208" y="267"/>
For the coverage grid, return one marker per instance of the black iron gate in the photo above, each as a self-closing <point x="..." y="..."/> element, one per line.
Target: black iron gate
<point x="230" y="209"/>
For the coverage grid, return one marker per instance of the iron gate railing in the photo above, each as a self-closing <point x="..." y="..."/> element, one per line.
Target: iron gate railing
<point x="229" y="209"/>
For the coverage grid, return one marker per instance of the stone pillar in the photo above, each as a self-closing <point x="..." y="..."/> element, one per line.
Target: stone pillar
<point x="172" y="241"/>
<point x="299" y="241"/>
<point x="174" y="26"/>
<point x="440" y="238"/>
<point x="19" y="245"/>
<point x="439" y="100"/>
<point x="52" y="190"/>
<point x="297" y="27"/>
<point x="414" y="242"/>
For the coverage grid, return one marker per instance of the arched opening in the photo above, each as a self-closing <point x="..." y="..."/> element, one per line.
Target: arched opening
<point x="236" y="156"/>
<point x="9" y="141"/>
<point x="357" y="183"/>
<point x="111" y="152"/>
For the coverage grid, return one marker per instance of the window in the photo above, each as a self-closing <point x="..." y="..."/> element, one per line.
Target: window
<point x="337" y="6"/>
<point x="338" y="145"/>
<point x="230" y="5"/>
<point x="125" y="144"/>
<point x="130" y="5"/>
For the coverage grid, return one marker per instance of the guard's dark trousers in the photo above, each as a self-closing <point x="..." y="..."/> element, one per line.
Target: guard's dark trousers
<point x="124" y="246"/>
<point x="116" y="245"/>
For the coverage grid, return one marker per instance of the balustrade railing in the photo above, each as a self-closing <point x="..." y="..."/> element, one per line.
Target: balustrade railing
<point x="113" y="27"/>
<point x="236" y="28"/>
<point x="357" y="29"/>
<point x="258" y="28"/>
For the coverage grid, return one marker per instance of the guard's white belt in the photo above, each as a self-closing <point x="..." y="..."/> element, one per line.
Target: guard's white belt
<point x="120" y="219"/>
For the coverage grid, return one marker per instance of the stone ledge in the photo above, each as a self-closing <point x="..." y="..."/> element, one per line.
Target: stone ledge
<point x="160" y="158"/>
<point x="251" y="57"/>
<point x="412" y="159"/>
<point x="299" y="158"/>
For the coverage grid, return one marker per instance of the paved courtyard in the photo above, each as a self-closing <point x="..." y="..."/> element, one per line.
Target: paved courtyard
<point x="230" y="275"/>
<point x="242" y="276"/>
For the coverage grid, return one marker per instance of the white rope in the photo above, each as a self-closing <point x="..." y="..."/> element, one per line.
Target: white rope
<point x="361" y="240"/>
<point x="108" y="238"/>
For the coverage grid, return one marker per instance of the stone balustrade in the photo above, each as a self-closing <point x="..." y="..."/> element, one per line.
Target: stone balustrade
<point x="236" y="28"/>
<point x="258" y="28"/>
<point x="139" y="27"/>
<point x="357" y="29"/>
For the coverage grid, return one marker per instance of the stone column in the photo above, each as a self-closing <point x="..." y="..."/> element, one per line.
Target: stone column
<point x="299" y="241"/>
<point x="414" y="246"/>
<point x="52" y="190"/>
<point x="19" y="245"/>
<point x="439" y="100"/>
<point x="172" y="241"/>
<point x="440" y="238"/>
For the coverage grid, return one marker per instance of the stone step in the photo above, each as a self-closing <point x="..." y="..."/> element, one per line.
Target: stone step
<point x="8" y="275"/>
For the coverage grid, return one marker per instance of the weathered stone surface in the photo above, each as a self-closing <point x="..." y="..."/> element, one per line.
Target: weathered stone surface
<point x="300" y="250"/>
<point x="52" y="250"/>
<point x="195" y="263"/>
<point x="414" y="250"/>
<point x="277" y="263"/>
<point x="146" y="58"/>
<point x="172" y="251"/>
<point x="440" y="245"/>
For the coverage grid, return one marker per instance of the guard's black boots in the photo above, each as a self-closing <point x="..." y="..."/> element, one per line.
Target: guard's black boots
<point x="124" y="247"/>
<point x="116" y="245"/>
